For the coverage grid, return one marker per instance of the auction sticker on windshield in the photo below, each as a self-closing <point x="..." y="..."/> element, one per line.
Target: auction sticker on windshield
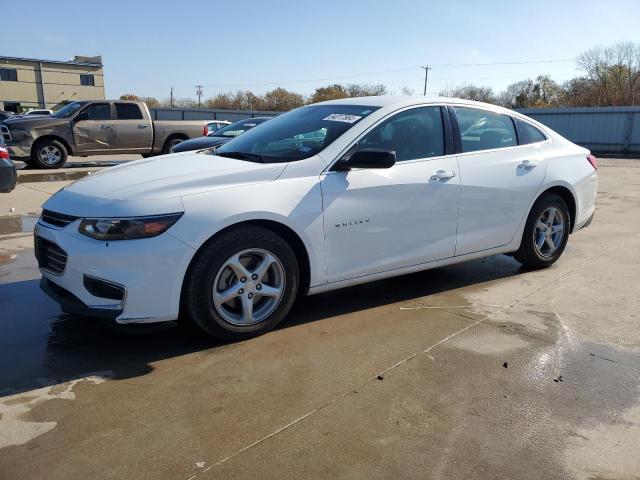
<point x="342" y="117"/>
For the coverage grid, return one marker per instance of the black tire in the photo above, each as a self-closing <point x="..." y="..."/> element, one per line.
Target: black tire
<point x="39" y="154"/>
<point x="528" y="254"/>
<point x="170" y="143"/>
<point x="197" y="296"/>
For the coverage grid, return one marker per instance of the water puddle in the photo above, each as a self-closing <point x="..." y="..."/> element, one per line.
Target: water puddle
<point x="17" y="224"/>
<point x="51" y="177"/>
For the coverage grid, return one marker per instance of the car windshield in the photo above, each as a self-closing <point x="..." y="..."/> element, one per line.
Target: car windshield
<point x="295" y="135"/>
<point x="68" y="110"/>
<point x="236" y="128"/>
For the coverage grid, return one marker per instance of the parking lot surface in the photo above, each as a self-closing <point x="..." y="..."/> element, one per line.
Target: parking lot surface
<point x="478" y="370"/>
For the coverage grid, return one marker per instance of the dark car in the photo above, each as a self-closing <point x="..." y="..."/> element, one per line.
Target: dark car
<point x="217" y="138"/>
<point x="5" y="115"/>
<point x="8" y="174"/>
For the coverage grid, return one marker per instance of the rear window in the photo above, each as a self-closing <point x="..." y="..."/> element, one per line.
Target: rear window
<point x="128" y="111"/>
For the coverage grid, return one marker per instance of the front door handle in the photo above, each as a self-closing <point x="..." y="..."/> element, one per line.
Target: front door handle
<point x="443" y="175"/>
<point x="528" y="164"/>
<point x="142" y="125"/>
<point x="104" y="127"/>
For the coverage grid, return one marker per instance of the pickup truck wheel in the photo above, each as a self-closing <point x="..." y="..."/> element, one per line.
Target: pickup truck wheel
<point x="48" y="154"/>
<point x="241" y="284"/>
<point x="169" y="144"/>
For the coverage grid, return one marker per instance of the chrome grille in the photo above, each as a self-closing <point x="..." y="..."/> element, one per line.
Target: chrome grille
<point x="5" y="132"/>
<point x="50" y="256"/>
<point x="57" y="219"/>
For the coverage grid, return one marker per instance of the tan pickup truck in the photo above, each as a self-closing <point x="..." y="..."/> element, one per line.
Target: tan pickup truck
<point x="97" y="127"/>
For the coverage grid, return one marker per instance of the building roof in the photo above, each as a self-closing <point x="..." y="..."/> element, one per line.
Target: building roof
<point x="77" y="60"/>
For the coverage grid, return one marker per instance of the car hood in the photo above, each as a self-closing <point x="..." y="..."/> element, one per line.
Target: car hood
<point x="200" y="143"/>
<point x="157" y="185"/>
<point x="34" y="121"/>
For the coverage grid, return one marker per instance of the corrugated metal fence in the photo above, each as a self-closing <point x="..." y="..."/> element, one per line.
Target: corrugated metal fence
<point x="600" y="129"/>
<point x="206" y="114"/>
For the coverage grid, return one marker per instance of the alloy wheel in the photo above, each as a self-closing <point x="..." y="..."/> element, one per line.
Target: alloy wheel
<point x="248" y="287"/>
<point x="50" y="155"/>
<point x="549" y="232"/>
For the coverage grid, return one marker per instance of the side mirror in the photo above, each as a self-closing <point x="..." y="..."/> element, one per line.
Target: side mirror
<point x="368" y="158"/>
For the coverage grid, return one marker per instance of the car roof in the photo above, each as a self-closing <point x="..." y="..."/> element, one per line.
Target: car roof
<point x="399" y="101"/>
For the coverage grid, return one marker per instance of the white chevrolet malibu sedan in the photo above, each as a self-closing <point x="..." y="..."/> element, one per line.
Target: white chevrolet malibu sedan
<point x="323" y="197"/>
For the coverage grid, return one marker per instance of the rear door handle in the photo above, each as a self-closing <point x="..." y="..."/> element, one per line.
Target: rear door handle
<point x="142" y="125"/>
<point x="528" y="164"/>
<point x="443" y="175"/>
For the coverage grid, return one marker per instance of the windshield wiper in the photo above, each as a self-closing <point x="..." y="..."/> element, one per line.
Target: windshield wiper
<point x="240" y="156"/>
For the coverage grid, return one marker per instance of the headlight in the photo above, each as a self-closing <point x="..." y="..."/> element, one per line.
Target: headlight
<point x="19" y="134"/>
<point x="127" y="228"/>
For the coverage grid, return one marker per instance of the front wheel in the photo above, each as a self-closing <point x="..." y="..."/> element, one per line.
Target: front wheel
<point x="545" y="233"/>
<point x="242" y="283"/>
<point x="48" y="154"/>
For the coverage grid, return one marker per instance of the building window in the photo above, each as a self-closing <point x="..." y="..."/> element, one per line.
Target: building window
<point x="87" y="80"/>
<point x="8" y="74"/>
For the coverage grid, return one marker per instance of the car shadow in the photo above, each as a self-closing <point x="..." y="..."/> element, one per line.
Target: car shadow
<point x="39" y="346"/>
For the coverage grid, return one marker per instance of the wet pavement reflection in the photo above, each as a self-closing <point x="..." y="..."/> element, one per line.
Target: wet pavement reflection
<point x="40" y="344"/>
<point x="52" y="177"/>
<point x="17" y="224"/>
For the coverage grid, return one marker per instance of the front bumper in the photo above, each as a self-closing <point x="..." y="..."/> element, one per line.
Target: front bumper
<point x="150" y="271"/>
<point x="19" y="149"/>
<point x="69" y="303"/>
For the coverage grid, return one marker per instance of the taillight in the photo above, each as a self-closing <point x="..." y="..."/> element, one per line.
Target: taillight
<point x="205" y="130"/>
<point x="593" y="161"/>
<point x="4" y="153"/>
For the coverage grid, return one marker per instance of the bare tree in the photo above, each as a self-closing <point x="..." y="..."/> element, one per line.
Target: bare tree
<point x="471" y="92"/>
<point x="614" y="71"/>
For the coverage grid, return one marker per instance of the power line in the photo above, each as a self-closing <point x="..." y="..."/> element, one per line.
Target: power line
<point x="380" y="72"/>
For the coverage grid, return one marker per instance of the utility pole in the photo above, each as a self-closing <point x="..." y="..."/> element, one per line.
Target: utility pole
<point x="171" y="98"/>
<point x="199" y="93"/>
<point x="426" y="77"/>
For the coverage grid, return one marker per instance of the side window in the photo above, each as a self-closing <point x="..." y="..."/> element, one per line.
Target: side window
<point x="484" y="130"/>
<point x="97" y="111"/>
<point x="412" y="134"/>
<point x="531" y="133"/>
<point x="128" y="111"/>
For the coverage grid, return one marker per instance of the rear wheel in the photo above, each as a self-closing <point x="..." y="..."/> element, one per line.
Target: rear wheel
<point x="545" y="233"/>
<point x="169" y="144"/>
<point x="242" y="283"/>
<point x="48" y="153"/>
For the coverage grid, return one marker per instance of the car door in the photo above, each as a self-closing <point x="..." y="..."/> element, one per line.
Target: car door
<point x="93" y="129"/>
<point x="382" y="219"/>
<point x="134" y="133"/>
<point x="499" y="178"/>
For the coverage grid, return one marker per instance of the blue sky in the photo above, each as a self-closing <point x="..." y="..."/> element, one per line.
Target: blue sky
<point x="149" y="46"/>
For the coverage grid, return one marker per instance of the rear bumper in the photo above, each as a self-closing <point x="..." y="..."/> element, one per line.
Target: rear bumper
<point x="8" y="176"/>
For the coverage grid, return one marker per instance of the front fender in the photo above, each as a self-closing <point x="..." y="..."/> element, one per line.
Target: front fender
<point x="294" y="203"/>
